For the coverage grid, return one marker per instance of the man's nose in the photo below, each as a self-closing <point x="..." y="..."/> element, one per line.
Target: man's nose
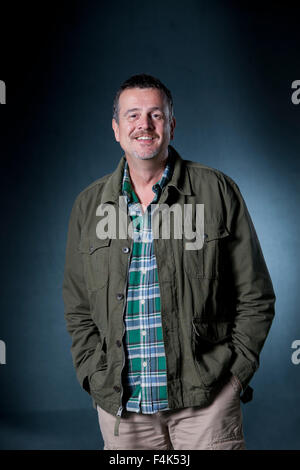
<point x="145" y="122"/>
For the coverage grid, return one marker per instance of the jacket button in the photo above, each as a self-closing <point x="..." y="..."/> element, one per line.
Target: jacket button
<point x="125" y="249"/>
<point x="205" y="236"/>
<point x="120" y="296"/>
<point x="116" y="388"/>
<point x="118" y="343"/>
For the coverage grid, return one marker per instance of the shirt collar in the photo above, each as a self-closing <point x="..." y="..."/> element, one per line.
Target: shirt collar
<point x="157" y="188"/>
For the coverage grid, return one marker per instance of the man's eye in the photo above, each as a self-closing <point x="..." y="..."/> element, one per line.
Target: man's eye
<point x="157" y="116"/>
<point x="132" y="116"/>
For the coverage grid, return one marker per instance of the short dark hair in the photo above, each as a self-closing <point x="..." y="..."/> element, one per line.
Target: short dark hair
<point x="142" y="81"/>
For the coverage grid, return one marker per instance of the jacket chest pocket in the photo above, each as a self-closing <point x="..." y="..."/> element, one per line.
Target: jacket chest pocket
<point x="209" y="261"/>
<point x="95" y="254"/>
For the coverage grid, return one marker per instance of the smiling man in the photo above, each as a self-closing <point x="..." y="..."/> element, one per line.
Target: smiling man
<point x="143" y="124"/>
<point x="165" y="339"/>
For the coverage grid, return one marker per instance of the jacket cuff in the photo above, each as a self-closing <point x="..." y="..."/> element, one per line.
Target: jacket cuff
<point x="243" y="370"/>
<point x="82" y="376"/>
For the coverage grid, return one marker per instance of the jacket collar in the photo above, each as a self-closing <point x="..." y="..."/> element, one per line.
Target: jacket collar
<point x="180" y="179"/>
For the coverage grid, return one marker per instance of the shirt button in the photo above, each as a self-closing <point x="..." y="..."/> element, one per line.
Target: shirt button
<point x="118" y="343"/>
<point x="116" y="388"/>
<point x="125" y="249"/>
<point x="120" y="296"/>
<point x="144" y="364"/>
<point x="144" y="333"/>
<point x="142" y="301"/>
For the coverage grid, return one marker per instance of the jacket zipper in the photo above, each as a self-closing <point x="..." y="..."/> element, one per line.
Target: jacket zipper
<point x="120" y="410"/>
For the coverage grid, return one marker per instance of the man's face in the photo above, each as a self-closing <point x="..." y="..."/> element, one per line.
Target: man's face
<point x="144" y="129"/>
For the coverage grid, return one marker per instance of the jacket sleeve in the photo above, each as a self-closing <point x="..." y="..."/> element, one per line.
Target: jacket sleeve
<point x="254" y="294"/>
<point x="83" y="331"/>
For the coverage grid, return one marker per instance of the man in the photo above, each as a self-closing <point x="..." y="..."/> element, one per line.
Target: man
<point x="164" y="338"/>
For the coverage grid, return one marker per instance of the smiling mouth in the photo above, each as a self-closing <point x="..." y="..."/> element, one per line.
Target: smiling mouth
<point x="145" y="138"/>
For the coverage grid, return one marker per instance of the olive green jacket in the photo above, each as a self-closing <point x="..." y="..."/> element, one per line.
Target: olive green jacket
<point x="217" y="302"/>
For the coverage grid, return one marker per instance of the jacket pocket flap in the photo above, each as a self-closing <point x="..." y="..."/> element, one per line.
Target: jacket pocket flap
<point x="214" y="333"/>
<point x="214" y="231"/>
<point x="99" y="358"/>
<point x="91" y="244"/>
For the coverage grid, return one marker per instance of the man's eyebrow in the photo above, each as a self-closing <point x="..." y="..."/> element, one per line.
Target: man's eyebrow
<point x="138" y="109"/>
<point x="130" y="111"/>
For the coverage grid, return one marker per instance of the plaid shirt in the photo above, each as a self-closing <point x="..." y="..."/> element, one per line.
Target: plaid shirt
<point x="145" y="384"/>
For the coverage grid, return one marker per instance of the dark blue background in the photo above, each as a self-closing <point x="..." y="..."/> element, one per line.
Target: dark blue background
<point x="230" y="69"/>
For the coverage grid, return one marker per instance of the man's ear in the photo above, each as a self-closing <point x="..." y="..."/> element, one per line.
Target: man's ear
<point x="172" y="127"/>
<point x="116" y="129"/>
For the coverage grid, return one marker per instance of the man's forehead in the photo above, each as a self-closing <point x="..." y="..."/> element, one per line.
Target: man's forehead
<point x="139" y="97"/>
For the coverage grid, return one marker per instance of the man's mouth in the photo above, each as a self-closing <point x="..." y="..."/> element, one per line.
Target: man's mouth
<point x="145" y="138"/>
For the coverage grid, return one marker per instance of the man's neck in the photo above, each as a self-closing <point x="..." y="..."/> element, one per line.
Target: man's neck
<point x="145" y="173"/>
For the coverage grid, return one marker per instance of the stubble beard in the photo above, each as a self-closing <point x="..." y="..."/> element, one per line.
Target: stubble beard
<point x="158" y="151"/>
<point x="145" y="157"/>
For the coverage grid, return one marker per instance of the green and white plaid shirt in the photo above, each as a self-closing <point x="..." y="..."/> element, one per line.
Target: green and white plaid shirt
<point x="145" y="384"/>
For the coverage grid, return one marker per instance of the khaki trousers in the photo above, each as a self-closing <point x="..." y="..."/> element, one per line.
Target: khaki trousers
<point x="215" y="427"/>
